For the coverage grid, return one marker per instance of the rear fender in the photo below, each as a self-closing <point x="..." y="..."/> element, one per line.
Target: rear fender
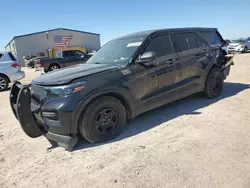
<point x="221" y="65"/>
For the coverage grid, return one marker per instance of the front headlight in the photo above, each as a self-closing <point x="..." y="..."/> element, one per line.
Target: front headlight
<point x="59" y="91"/>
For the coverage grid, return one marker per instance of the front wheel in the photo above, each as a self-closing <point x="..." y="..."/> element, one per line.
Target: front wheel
<point x="103" y="120"/>
<point x="214" y="83"/>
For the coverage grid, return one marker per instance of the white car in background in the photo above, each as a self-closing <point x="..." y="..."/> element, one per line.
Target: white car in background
<point x="239" y="45"/>
<point x="10" y="69"/>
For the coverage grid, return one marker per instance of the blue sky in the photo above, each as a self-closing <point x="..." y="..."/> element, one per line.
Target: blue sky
<point x="113" y="18"/>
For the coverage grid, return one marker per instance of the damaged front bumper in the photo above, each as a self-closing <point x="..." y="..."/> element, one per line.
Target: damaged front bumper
<point x="20" y="102"/>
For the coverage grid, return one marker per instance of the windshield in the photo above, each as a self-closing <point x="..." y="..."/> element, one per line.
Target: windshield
<point x="119" y="51"/>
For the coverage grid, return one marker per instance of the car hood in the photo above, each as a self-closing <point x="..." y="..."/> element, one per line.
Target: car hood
<point x="66" y="75"/>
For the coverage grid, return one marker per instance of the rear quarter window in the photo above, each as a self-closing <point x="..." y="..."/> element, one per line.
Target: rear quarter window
<point x="13" y="58"/>
<point x="212" y="37"/>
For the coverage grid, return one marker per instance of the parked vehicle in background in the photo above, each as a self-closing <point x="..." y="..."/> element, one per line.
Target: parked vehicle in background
<point x="10" y="69"/>
<point x="240" y="45"/>
<point x="52" y="51"/>
<point x="63" y="58"/>
<point x="31" y="62"/>
<point x="126" y="77"/>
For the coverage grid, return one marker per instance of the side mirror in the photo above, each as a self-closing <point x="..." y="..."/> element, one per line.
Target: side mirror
<point x="147" y="56"/>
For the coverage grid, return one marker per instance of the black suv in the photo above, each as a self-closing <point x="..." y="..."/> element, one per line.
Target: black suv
<point x="126" y="77"/>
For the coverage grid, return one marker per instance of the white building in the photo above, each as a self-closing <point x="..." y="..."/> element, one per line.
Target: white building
<point x="40" y="42"/>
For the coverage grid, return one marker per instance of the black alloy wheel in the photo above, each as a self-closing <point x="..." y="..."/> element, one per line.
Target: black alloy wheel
<point x="214" y="83"/>
<point x="103" y="120"/>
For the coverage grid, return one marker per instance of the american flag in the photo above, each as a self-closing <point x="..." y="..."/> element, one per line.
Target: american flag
<point x="62" y="41"/>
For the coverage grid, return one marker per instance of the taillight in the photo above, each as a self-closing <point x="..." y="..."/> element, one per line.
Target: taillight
<point x="15" y="65"/>
<point x="39" y="63"/>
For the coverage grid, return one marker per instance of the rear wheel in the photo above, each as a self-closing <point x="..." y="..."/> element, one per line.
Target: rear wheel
<point x="214" y="83"/>
<point x="103" y="120"/>
<point x="4" y="83"/>
<point x="54" y="67"/>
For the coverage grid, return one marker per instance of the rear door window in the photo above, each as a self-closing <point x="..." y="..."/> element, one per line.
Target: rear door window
<point x="201" y="41"/>
<point x="161" y="45"/>
<point x="186" y="41"/>
<point x="192" y="41"/>
<point x="13" y="58"/>
<point x="1" y="55"/>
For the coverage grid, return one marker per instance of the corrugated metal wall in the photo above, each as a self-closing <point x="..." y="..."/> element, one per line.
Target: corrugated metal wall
<point x="41" y="42"/>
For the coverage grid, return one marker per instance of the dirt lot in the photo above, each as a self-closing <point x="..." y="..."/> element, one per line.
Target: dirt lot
<point x="194" y="142"/>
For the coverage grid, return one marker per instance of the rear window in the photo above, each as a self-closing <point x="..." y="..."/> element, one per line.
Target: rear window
<point x="12" y="56"/>
<point x="212" y="37"/>
<point x="58" y="54"/>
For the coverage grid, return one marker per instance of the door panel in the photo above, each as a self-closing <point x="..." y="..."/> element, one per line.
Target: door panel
<point x="164" y="75"/>
<point x="189" y="69"/>
<point x="192" y="59"/>
<point x="154" y="80"/>
<point x="140" y="80"/>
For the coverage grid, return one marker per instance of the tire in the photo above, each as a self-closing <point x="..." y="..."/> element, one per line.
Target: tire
<point x="214" y="83"/>
<point x="103" y="120"/>
<point x="54" y="67"/>
<point x="4" y="83"/>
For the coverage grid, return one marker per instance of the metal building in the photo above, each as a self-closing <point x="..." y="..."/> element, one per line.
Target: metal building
<point x="40" y="42"/>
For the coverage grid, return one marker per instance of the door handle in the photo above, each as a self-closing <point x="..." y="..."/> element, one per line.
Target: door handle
<point x="171" y="61"/>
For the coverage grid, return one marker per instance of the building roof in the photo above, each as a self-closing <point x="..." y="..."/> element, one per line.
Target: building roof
<point x="50" y="30"/>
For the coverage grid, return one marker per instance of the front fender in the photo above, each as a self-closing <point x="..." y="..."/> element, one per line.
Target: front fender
<point x="112" y="91"/>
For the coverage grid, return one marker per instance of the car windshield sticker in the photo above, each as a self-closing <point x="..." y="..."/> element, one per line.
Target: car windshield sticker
<point x="132" y="44"/>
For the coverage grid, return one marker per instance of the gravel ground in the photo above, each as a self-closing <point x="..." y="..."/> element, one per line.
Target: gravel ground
<point x="194" y="142"/>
